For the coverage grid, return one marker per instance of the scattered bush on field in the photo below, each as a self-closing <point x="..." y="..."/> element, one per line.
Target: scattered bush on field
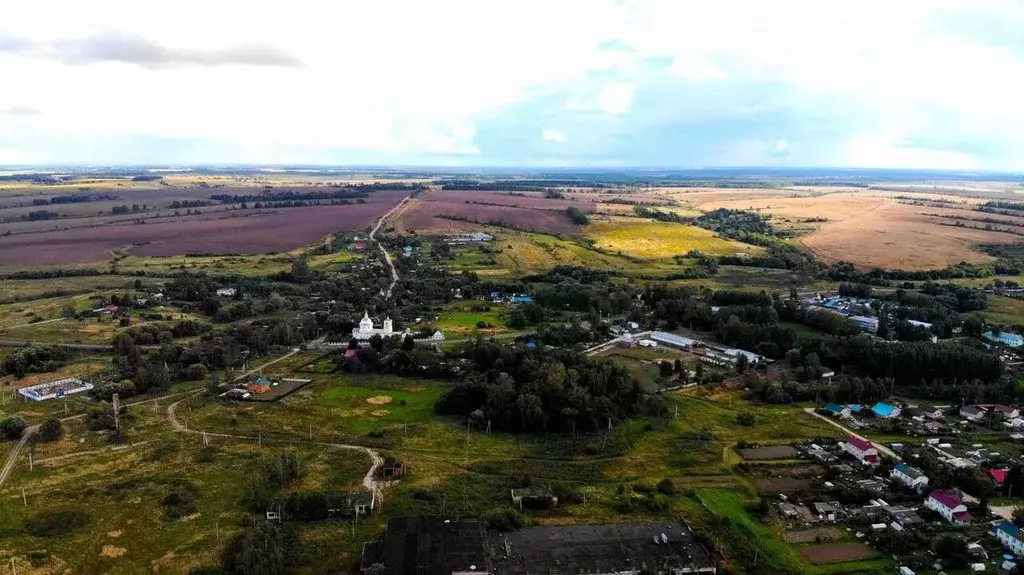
<point x="13" y="427"/>
<point x="55" y="523"/>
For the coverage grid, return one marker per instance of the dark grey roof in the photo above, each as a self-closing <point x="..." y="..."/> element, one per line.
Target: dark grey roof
<point x="428" y="545"/>
<point x="607" y="548"/>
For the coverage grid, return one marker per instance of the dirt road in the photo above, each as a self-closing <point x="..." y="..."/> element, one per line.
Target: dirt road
<point x="369" y="480"/>
<point x="881" y="448"/>
<point x="387" y="256"/>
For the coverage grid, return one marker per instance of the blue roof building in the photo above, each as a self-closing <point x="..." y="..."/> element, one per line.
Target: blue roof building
<point x="1011" y="537"/>
<point x="518" y="298"/>
<point x="1006" y="338"/>
<point x="673" y="339"/>
<point x="855" y="407"/>
<point x="885" y="410"/>
<point x="834" y="408"/>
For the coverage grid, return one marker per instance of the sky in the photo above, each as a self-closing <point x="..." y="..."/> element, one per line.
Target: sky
<point x="925" y="84"/>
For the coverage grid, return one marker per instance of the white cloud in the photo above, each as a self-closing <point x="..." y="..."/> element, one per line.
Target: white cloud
<point x="234" y="77"/>
<point x="696" y="67"/>
<point x="615" y="98"/>
<point x="550" y="135"/>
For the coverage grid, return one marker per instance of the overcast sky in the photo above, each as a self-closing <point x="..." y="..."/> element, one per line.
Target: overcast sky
<point x="676" y="83"/>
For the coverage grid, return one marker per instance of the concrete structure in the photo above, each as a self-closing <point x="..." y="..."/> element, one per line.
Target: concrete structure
<point x="912" y="477"/>
<point x="55" y="389"/>
<point x="862" y="449"/>
<point x="227" y="292"/>
<point x="948" y="506"/>
<point x="471" y="237"/>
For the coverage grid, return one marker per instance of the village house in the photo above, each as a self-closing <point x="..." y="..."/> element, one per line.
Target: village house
<point x="1011" y="537"/>
<point x="912" y="477"/>
<point x="885" y="411"/>
<point x="930" y="411"/>
<point x="392" y="468"/>
<point x="826" y="511"/>
<point x="872" y="485"/>
<point x="1008" y="412"/>
<point x="998" y="475"/>
<point x="836" y="410"/>
<point x="862" y="449"/>
<point x="948" y="506"/>
<point x="903" y="518"/>
<point x="972" y="412"/>
<point x="788" y="510"/>
<point x="227" y="292"/>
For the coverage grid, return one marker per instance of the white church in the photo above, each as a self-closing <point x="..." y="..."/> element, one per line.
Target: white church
<point x="366" y="330"/>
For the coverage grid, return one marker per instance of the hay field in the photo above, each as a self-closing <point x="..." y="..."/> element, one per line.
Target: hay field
<point x="873" y="230"/>
<point x="650" y="239"/>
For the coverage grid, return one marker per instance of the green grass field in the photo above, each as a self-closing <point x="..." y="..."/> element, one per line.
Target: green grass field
<point x="118" y="495"/>
<point x="762" y="543"/>
<point x="451" y="469"/>
<point x="1004" y="310"/>
<point x="459" y="319"/>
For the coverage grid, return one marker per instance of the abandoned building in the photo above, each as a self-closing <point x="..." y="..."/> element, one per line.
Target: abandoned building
<point x="534" y="498"/>
<point x="427" y="545"/>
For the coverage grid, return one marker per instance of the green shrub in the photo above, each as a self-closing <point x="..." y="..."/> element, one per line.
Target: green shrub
<point x="746" y="419"/>
<point x="181" y="500"/>
<point x="566" y="495"/>
<point x="13" y="427"/>
<point x="504" y="519"/>
<point x="51" y="430"/>
<point x="643" y="488"/>
<point x="55" y="523"/>
<point x="667" y="487"/>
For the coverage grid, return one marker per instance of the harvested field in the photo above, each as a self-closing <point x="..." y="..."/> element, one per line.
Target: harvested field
<point x="811" y="535"/>
<point x="769" y="452"/>
<point x="243" y="233"/>
<point x="872" y="230"/>
<point x="533" y="201"/>
<point x="644" y="238"/>
<point x="784" y="485"/>
<point x="428" y="215"/>
<point x="837" y="553"/>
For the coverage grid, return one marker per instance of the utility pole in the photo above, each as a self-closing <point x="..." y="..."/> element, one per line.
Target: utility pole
<point x="117" y="412"/>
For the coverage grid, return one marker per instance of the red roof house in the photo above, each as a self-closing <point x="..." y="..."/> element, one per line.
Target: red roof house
<point x="998" y="475"/>
<point x="948" y="506"/>
<point x="862" y="449"/>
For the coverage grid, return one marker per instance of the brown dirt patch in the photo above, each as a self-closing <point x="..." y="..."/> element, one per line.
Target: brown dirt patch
<point x="380" y="413"/>
<point x="809" y="535"/>
<point x="769" y="452"/>
<point x="114" y="534"/>
<point x="873" y="230"/>
<point x="837" y="553"/>
<point x="782" y="485"/>
<point x="427" y="215"/>
<point x="112" y="551"/>
<point x="379" y="400"/>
